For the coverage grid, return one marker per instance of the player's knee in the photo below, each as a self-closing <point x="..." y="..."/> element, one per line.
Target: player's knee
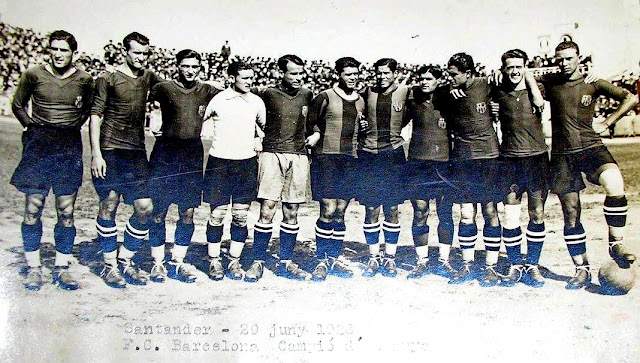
<point x="217" y="215"/>
<point x="239" y="215"/>
<point x="511" y="216"/>
<point x="267" y="210"/>
<point x="290" y="213"/>
<point x="186" y="216"/>
<point x="328" y="209"/>
<point x="33" y="209"/>
<point x="467" y="213"/>
<point x="391" y="214"/>
<point x="536" y="214"/>
<point x="108" y="206"/>
<point x="143" y="208"/>
<point x="65" y="215"/>
<point x="612" y="182"/>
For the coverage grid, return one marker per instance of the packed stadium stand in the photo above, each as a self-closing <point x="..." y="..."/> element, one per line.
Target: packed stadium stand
<point x="21" y="48"/>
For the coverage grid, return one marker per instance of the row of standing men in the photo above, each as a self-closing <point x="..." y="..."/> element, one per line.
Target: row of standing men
<point x="259" y="150"/>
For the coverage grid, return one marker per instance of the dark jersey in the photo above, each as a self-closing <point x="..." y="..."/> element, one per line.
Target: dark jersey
<point x="121" y="101"/>
<point x="55" y="102"/>
<point x="521" y="126"/>
<point x="429" y="136"/>
<point x="336" y="119"/>
<point x="182" y="108"/>
<point x="572" y="109"/>
<point x="286" y="118"/>
<point x="470" y="121"/>
<point x="384" y="112"/>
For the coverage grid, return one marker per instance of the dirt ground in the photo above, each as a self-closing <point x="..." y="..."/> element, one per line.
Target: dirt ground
<point x="278" y="320"/>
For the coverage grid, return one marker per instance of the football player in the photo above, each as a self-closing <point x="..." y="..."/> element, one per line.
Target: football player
<point x="577" y="149"/>
<point x="475" y="163"/>
<point x="525" y="166"/>
<point x="60" y="98"/>
<point x="232" y="168"/>
<point x="380" y="159"/>
<point x="119" y="161"/>
<point x="334" y="120"/>
<point x="427" y="170"/>
<point x="283" y="168"/>
<point x="176" y="163"/>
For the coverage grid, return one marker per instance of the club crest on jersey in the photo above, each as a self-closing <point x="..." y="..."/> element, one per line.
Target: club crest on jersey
<point x="201" y="110"/>
<point x="397" y="106"/>
<point x="481" y="107"/>
<point x="442" y="123"/>
<point x="305" y="110"/>
<point x="586" y="100"/>
<point x="78" y="102"/>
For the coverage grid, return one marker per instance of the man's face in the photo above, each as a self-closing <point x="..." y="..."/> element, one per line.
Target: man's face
<point x="459" y="78"/>
<point x="189" y="69"/>
<point x="243" y="81"/>
<point x="385" y="77"/>
<point x="349" y="78"/>
<point x="568" y="61"/>
<point x="137" y="54"/>
<point x="428" y="82"/>
<point x="513" y="69"/>
<point x="293" y="76"/>
<point x="60" y="53"/>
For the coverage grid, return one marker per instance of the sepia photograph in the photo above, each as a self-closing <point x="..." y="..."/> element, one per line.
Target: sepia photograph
<point x="298" y="181"/>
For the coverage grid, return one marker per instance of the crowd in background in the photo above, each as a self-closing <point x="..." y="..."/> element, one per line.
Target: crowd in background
<point x="21" y="48"/>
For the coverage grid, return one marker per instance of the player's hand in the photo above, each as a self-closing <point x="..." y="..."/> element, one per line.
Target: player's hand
<point x="494" y="107"/>
<point x="257" y="144"/>
<point x="312" y="140"/>
<point x="495" y="77"/>
<point x="601" y="127"/>
<point x="457" y="93"/>
<point x="591" y="78"/>
<point x="98" y="167"/>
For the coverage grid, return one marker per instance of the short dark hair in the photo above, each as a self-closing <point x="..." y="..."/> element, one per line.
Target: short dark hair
<point x="285" y="59"/>
<point x="390" y="62"/>
<point x="66" y="36"/>
<point x="434" y="70"/>
<point x="568" y="44"/>
<point x="345" y="62"/>
<point x="515" y="53"/>
<point x="237" y="66"/>
<point x="462" y="61"/>
<point x="187" y="53"/>
<point x="134" y="36"/>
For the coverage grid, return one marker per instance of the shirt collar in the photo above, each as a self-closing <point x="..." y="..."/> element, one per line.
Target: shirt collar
<point x="230" y="93"/>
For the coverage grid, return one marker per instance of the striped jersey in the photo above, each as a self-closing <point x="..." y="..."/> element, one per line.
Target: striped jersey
<point x="429" y="135"/>
<point x="572" y="108"/>
<point x="182" y="108"/>
<point x="55" y="102"/>
<point x="521" y="126"/>
<point x="121" y="101"/>
<point x="337" y="120"/>
<point x="470" y="122"/>
<point x="286" y="119"/>
<point x="384" y="112"/>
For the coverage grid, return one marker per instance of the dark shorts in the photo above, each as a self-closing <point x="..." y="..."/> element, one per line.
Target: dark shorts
<point x="333" y="176"/>
<point x="566" y="170"/>
<point x="228" y="181"/>
<point x="476" y="180"/>
<point x="426" y="179"/>
<point x="51" y="159"/>
<point x="176" y="168"/>
<point x="525" y="174"/>
<point x="379" y="177"/>
<point x="127" y="174"/>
